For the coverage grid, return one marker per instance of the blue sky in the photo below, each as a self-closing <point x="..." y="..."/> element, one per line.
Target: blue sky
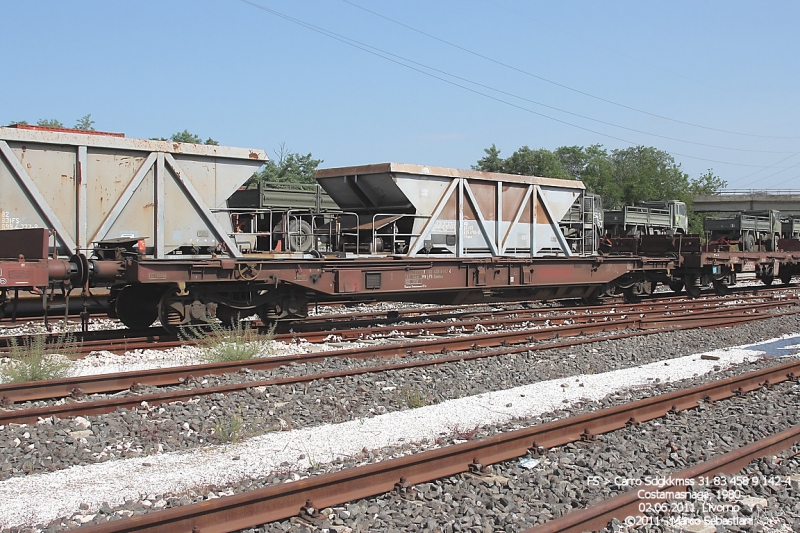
<point x="248" y="77"/>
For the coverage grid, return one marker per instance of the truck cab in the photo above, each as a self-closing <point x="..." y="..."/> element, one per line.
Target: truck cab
<point x="679" y="219"/>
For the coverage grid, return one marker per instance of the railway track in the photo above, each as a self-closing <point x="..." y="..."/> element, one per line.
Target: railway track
<point x="420" y="359"/>
<point x="355" y="326"/>
<point x="307" y="397"/>
<point x="468" y="348"/>
<point x="305" y="497"/>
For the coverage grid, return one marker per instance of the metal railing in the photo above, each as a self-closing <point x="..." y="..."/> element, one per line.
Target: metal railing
<point x="742" y="192"/>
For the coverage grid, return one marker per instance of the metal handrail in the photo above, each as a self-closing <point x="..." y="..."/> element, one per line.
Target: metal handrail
<point x="734" y="192"/>
<point x="394" y="234"/>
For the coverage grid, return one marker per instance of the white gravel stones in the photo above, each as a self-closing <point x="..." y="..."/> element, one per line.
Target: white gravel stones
<point x="58" y="326"/>
<point x="40" y="498"/>
<point x="103" y="362"/>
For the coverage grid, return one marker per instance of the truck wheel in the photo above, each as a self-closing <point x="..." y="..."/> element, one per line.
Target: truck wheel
<point x="299" y="238"/>
<point x="772" y="243"/>
<point x="767" y="280"/>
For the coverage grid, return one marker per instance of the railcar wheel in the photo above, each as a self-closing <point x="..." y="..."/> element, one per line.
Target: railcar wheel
<point x="170" y="311"/>
<point x="229" y="316"/>
<point x="720" y="287"/>
<point x="631" y="296"/>
<point x="786" y="278"/>
<point x="676" y="286"/>
<point x="136" y="305"/>
<point x="595" y="298"/>
<point x="767" y="280"/>
<point x="693" y="286"/>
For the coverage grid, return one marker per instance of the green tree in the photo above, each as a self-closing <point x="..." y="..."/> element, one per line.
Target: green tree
<point x="621" y="177"/>
<point x="49" y="123"/>
<point x="707" y="183"/>
<point x="15" y="122"/>
<point x="186" y="136"/>
<point x="525" y="162"/>
<point x="593" y="166"/>
<point x="645" y="173"/>
<point x="491" y="162"/>
<point x="85" y="123"/>
<point x="287" y="167"/>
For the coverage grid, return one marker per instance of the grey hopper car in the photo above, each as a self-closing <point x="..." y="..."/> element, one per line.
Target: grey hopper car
<point x="412" y="211"/>
<point x="167" y="198"/>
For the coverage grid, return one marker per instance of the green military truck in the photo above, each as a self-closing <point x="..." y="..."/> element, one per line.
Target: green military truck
<point x="790" y="227"/>
<point x="647" y="218"/>
<point x="282" y="217"/>
<point x="751" y="230"/>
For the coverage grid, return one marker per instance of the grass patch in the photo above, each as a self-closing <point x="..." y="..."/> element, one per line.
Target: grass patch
<point x="413" y="398"/>
<point x="230" y="430"/>
<point x="238" y="342"/>
<point x="33" y="359"/>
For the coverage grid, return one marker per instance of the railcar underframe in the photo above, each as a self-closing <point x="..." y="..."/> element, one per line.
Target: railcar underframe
<point x="180" y="292"/>
<point x="187" y="291"/>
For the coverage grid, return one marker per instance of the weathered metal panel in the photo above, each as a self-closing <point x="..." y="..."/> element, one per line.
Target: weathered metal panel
<point x="96" y="187"/>
<point x="30" y="243"/>
<point x="456" y="212"/>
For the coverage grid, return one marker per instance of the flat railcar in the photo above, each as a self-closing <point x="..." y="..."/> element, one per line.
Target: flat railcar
<point x="163" y="226"/>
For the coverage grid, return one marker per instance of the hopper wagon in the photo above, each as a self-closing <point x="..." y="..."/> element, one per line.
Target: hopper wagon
<point x="169" y="229"/>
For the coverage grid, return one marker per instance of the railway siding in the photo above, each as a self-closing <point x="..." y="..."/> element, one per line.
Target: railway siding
<point x="485" y="376"/>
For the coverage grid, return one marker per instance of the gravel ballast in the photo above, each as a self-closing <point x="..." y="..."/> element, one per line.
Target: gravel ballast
<point x="211" y="419"/>
<point x="261" y="455"/>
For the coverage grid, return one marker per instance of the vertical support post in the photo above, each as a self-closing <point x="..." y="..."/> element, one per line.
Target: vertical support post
<point x="158" y="201"/>
<point x="534" y="199"/>
<point x="460" y="219"/>
<point x="498" y="235"/>
<point x="81" y="184"/>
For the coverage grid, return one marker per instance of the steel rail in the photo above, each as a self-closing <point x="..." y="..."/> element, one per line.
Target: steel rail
<point x="105" y="383"/>
<point x="114" y="382"/>
<point x="99" y="407"/>
<point x="627" y="504"/>
<point x="510" y="319"/>
<point x="285" y="500"/>
<point x="315" y="328"/>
